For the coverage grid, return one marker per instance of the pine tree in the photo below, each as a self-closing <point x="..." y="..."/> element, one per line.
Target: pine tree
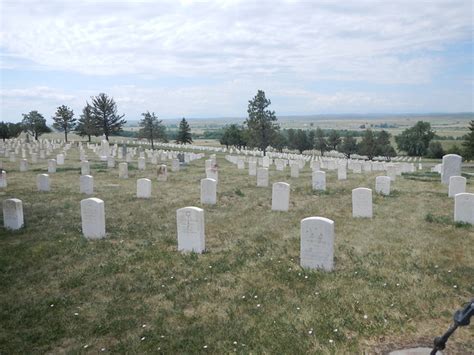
<point x="368" y="145"/>
<point x="184" y="133"/>
<point x="86" y="125"/>
<point x="261" y="122"/>
<point x="35" y="124"/>
<point x="104" y="112"/>
<point x="151" y="128"/>
<point x="349" y="146"/>
<point x="64" y="120"/>
<point x="334" y="139"/>
<point x="468" y="144"/>
<point x="9" y="130"/>
<point x="320" y="142"/>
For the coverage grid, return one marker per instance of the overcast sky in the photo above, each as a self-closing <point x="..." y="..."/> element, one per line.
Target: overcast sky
<point x="181" y="58"/>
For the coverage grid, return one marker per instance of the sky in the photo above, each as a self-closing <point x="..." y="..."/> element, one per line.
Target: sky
<point x="207" y="59"/>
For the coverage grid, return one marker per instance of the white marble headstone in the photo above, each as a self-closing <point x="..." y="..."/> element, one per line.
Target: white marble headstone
<point x="362" y="202"/>
<point x="190" y="226"/>
<point x="280" y="196"/>
<point x="13" y="214"/>
<point x="317" y="243"/>
<point x="93" y="218"/>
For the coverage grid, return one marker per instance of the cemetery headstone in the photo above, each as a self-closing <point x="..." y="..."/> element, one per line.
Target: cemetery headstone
<point x="190" y="226"/>
<point x="93" y="218"/>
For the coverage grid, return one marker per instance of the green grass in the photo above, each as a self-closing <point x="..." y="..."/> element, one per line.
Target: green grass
<point x="134" y="293"/>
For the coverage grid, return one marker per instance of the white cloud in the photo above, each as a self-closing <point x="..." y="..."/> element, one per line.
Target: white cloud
<point x="231" y="49"/>
<point x="373" y="41"/>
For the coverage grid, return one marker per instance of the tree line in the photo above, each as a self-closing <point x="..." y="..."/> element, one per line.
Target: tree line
<point x="100" y="117"/>
<point x="260" y="130"/>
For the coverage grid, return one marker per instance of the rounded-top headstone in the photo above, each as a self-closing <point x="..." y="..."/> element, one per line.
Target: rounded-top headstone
<point x="317" y="243"/>
<point x="190" y="226"/>
<point x="362" y="202"/>
<point x="451" y="166"/>
<point x="93" y="218"/>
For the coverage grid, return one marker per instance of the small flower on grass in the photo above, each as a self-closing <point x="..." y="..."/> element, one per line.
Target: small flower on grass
<point x="310" y="331"/>
<point x="235" y="343"/>
<point x="102" y="349"/>
<point x="86" y="346"/>
<point x="258" y="305"/>
<point x="51" y="305"/>
<point x="76" y="314"/>
<point x="455" y="286"/>
<point x="306" y="276"/>
<point x="143" y="325"/>
<point x="143" y="338"/>
<point x="204" y="347"/>
<point x="255" y="296"/>
<point x="335" y="330"/>
<point x="331" y="341"/>
<point x="365" y="316"/>
<point x="298" y="308"/>
<point x="210" y="267"/>
<point x="436" y="266"/>
<point x="243" y="297"/>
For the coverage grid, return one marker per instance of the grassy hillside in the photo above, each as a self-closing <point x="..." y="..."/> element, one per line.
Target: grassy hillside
<point x="397" y="280"/>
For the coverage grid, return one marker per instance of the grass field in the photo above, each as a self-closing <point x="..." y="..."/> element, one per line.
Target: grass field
<point x="397" y="280"/>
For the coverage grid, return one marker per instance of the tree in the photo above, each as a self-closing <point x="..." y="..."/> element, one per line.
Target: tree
<point x="334" y="139"/>
<point x="279" y="141"/>
<point x="86" y="125"/>
<point x="104" y="112"/>
<point x="415" y="140"/>
<point x="302" y="142"/>
<point x="349" y="146"/>
<point x="291" y="138"/>
<point x="10" y="130"/>
<point x="64" y="120"/>
<point x="261" y="122"/>
<point x="311" y="138"/>
<point x="184" y="133"/>
<point x="383" y="146"/>
<point x="435" y="150"/>
<point x="468" y="143"/>
<point x="35" y="124"/>
<point x="368" y="144"/>
<point x="320" y="142"/>
<point x="151" y="128"/>
<point x="233" y="135"/>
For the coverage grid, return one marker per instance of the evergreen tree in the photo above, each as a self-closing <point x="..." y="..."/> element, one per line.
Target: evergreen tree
<point x="334" y="139"/>
<point x="368" y="144"/>
<point x="35" y="124"/>
<point x="311" y="138"/>
<point x="10" y="130"/>
<point x="302" y="142"/>
<point x="261" y="122"/>
<point x="415" y="140"/>
<point x="233" y="135"/>
<point x="64" y="120"/>
<point x="86" y="125"/>
<point x="291" y="138"/>
<point x="349" y="146"/>
<point x="279" y="141"/>
<point x="384" y="147"/>
<point x="184" y="133"/>
<point x="104" y="112"/>
<point x="320" y="142"/>
<point x="151" y="128"/>
<point x="435" y="150"/>
<point x="468" y="144"/>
